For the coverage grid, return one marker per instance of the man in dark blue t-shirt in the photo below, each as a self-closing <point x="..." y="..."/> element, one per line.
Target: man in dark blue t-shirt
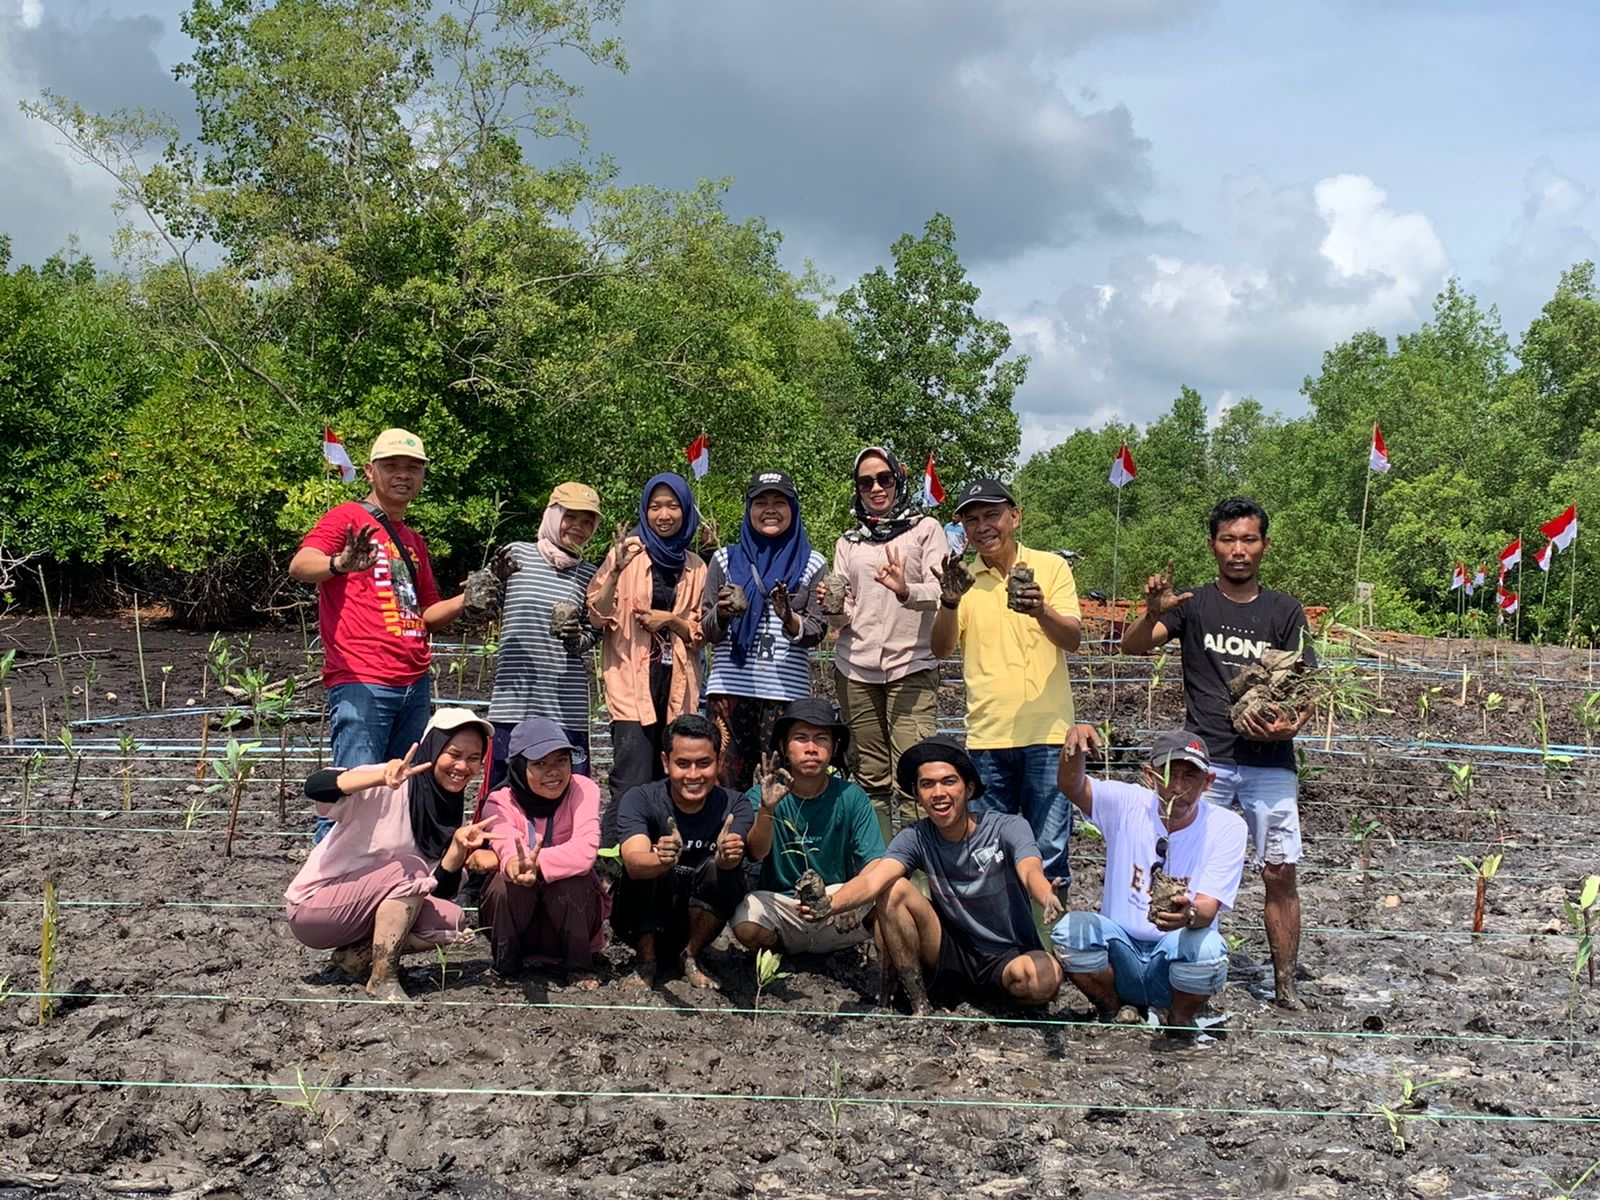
<point x="1222" y="627"/>
<point x="974" y="930"/>
<point x="682" y="854"/>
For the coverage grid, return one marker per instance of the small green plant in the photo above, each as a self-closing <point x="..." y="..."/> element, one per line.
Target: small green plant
<point x="47" y="950"/>
<point x="166" y="671"/>
<point x="1362" y="831"/>
<point x="1461" y="789"/>
<point x="74" y="758"/>
<point x="1087" y="828"/>
<point x="1492" y="703"/>
<point x="1410" y="1104"/>
<point x="6" y="990"/>
<point x="220" y="664"/>
<point x="445" y="969"/>
<point x="1106" y="735"/>
<point x="233" y="772"/>
<point x="1425" y="699"/>
<point x="486" y="651"/>
<point x="768" y="973"/>
<point x="309" y="1102"/>
<point x="127" y="747"/>
<point x="1484" y="873"/>
<point x="1569" y="1191"/>
<point x="1157" y="669"/>
<point x="1235" y="942"/>
<point x="31" y="768"/>
<point x="191" y="814"/>
<point x="1304" y="771"/>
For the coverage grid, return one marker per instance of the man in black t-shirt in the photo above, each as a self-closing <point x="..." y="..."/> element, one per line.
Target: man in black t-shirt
<point x="683" y="846"/>
<point x="1222" y="627"/>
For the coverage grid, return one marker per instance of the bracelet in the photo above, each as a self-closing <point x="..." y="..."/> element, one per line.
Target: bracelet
<point x="947" y="604"/>
<point x="333" y="566"/>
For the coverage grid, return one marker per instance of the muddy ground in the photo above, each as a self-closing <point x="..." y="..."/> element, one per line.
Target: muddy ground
<point x="186" y="1011"/>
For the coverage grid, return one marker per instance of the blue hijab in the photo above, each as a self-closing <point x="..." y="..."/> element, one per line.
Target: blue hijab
<point x="669" y="553"/>
<point x="758" y="564"/>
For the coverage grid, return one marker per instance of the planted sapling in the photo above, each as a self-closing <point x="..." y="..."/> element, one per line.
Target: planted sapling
<point x="165" y="672"/>
<point x="1461" y="789"/>
<point x="1492" y="703"/>
<point x="309" y="1102"/>
<point x="233" y="772"/>
<point x="6" y="661"/>
<point x="47" y="950"/>
<point x="768" y="963"/>
<point x="1362" y="832"/>
<point x="74" y="757"/>
<point x="91" y="676"/>
<point x="1484" y="873"/>
<point x="31" y="767"/>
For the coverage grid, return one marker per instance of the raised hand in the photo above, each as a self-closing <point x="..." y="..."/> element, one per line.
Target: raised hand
<point x="730" y="846"/>
<point x="669" y="846"/>
<point x="475" y="836"/>
<point x="625" y="547"/>
<point x="397" y="770"/>
<point x="778" y="597"/>
<point x="774" y="781"/>
<point x="892" y="574"/>
<point x="504" y="564"/>
<point x="1081" y="739"/>
<point x="360" y="550"/>
<point x="1158" y="596"/>
<point x="523" y="870"/>
<point x="730" y="602"/>
<point x="955" y="581"/>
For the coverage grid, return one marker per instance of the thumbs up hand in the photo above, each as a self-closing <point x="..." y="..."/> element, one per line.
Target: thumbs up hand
<point x="730" y="846"/>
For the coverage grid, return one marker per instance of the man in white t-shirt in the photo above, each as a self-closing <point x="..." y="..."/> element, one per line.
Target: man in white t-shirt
<point x="1124" y="955"/>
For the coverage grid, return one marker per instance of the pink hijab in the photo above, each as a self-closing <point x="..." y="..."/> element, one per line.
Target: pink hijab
<point x="557" y="555"/>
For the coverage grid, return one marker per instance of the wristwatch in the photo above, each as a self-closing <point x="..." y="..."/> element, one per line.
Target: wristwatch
<point x="333" y="565"/>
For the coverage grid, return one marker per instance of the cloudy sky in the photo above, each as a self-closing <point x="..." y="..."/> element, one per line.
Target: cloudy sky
<point x="1151" y="193"/>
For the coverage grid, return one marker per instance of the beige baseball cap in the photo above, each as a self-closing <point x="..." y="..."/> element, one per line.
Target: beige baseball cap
<point x="397" y="443"/>
<point x="576" y="497"/>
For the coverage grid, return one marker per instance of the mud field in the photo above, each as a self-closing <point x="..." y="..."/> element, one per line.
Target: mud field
<point x="186" y="1018"/>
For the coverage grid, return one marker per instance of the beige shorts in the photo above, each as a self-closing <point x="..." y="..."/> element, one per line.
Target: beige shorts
<point x="781" y="914"/>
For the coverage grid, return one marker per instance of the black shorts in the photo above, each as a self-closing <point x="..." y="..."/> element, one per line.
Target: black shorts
<point x="965" y="968"/>
<point x="661" y="905"/>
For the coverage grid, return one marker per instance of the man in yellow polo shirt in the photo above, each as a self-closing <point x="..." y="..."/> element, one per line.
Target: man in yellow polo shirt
<point x="1019" y="699"/>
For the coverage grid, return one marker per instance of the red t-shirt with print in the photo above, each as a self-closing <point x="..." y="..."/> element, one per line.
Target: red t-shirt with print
<point x="371" y="621"/>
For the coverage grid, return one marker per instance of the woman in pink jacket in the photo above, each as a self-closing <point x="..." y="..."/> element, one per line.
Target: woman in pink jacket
<point x="545" y="903"/>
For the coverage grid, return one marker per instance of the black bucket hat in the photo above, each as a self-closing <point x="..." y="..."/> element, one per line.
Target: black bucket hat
<point x="935" y="750"/>
<point x="813" y="712"/>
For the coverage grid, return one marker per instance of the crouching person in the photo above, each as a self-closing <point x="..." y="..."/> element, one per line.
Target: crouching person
<point x="974" y="932"/>
<point x="545" y="904"/>
<point x="813" y="831"/>
<point x="381" y="883"/>
<point x="1173" y="862"/>
<point x="682" y="841"/>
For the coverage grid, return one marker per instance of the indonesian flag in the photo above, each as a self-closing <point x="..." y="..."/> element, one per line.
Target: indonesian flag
<point x="1510" y="557"/>
<point x="1544" y="556"/>
<point x="1458" y="577"/>
<point x="1478" y="577"/>
<point x="1506" y="600"/>
<point x="1563" y="529"/>
<point x="1122" y="468"/>
<point x="932" y="489"/>
<point x="698" y="452"/>
<point x="333" y="450"/>
<point x="1378" y="458"/>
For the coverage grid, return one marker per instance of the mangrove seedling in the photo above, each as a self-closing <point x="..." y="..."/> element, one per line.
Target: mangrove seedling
<point x="127" y="747"/>
<point x="195" y="810"/>
<point x="1156" y="670"/>
<point x="768" y="963"/>
<point x="1569" y="1191"/>
<point x="165" y="672"/>
<point x="1410" y="1104"/>
<point x="1362" y="832"/>
<point x="91" y="676"/>
<point x="138" y="642"/>
<point x="1587" y="711"/>
<point x="309" y="1102"/>
<point x="31" y="767"/>
<point x="6" y="661"/>
<point x="1425" y="700"/>
<point x="1484" y="873"/>
<point x="75" y="757"/>
<point x="1492" y="703"/>
<point x="233" y="772"/>
<point x="1461" y="789"/>
<point x="47" y="950"/>
<point x="1105" y="732"/>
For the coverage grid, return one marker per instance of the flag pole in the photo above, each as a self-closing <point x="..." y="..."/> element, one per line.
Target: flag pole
<point x="1116" y="596"/>
<point x="1572" y="590"/>
<point x="1516" y="629"/>
<point x="1361" y="538"/>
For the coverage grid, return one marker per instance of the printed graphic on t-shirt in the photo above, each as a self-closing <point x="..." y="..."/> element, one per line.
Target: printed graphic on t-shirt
<point x="1140" y="882"/>
<point x="397" y="595"/>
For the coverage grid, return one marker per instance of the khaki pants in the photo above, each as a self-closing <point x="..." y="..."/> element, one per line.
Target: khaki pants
<point x="886" y="720"/>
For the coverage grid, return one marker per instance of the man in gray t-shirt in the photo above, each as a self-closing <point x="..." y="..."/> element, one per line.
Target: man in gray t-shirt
<point x="974" y="931"/>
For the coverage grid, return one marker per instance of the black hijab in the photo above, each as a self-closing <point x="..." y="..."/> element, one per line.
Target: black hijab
<point x="435" y="813"/>
<point x="531" y="803"/>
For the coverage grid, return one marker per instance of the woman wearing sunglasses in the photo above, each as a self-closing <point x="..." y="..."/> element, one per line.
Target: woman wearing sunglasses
<point x="886" y="675"/>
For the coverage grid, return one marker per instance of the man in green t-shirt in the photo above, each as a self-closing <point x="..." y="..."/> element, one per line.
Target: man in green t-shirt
<point x="807" y="818"/>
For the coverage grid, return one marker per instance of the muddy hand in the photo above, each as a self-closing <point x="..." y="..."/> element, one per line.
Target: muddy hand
<point x="773" y="780"/>
<point x="397" y="770"/>
<point x="955" y="581"/>
<point x="670" y="844"/>
<point x="504" y="564"/>
<point x="730" y="846"/>
<point x="778" y="597"/>
<point x="1176" y="917"/>
<point x="821" y="909"/>
<point x="360" y="551"/>
<point x="1158" y="597"/>
<point x="624" y="546"/>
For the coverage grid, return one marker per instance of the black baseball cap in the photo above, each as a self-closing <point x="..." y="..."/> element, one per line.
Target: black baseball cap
<point x="770" y="481"/>
<point x="984" y="491"/>
<point x="1179" y="745"/>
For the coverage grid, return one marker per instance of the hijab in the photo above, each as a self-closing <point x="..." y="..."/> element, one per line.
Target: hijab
<point x="903" y="513"/>
<point x="557" y="555"/>
<point x="435" y="813"/>
<point x="758" y="563"/>
<point x="532" y="804"/>
<point x="669" y="553"/>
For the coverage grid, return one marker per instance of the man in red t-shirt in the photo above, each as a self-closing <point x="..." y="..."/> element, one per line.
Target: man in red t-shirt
<point x="376" y="605"/>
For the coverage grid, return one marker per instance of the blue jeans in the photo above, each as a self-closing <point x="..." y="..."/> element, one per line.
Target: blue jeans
<point x="1269" y="799"/>
<point x="1186" y="960"/>
<point x="1022" y="779"/>
<point x="372" y="723"/>
<point x="502" y="746"/>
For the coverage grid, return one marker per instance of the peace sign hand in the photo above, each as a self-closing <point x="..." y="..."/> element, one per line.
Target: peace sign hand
<point x="524" y="868"/>
<point x="1158" y="596"/>
<point x="397" y="770"/>
<point x="892" y="574"/>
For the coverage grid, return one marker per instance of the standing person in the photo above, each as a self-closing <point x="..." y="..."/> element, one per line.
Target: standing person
<point x="1222" y="627"/>
<point x="377" y="602"/>
<point x="682" y="855"/>
<point x="807" y="819"/>
<point x="1132" y="952"/>
<point x="545" y="903"/>
<point x="383" y="882"/>
<point x="1014" y="638"/>
<point x="758" y="616"/>
<point x="645" y="599"/>
<point x="974" y="930"/>
<point x="543" y="665"/>
<point x="885" y="673"/>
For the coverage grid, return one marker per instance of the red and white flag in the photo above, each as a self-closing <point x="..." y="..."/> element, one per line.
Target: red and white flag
<point x="698" y="452"/>
<point x="1378" y="458"/>
<point x="1543" y="556"/>
<point x="1478" y="576"/>
<point x="1458" y="577"/>
<point x="932" y="489"/>
<point x="1122" y="468"/>
<point x="1510" y="557"/>
<point x="333" y="450"/>
<point x="1506" y="600"/>
<point x="1563" y="529"/>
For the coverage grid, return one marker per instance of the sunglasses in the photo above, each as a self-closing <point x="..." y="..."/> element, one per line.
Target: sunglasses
<point x="883" y="479"/>
<point x="1161" y="856"/>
